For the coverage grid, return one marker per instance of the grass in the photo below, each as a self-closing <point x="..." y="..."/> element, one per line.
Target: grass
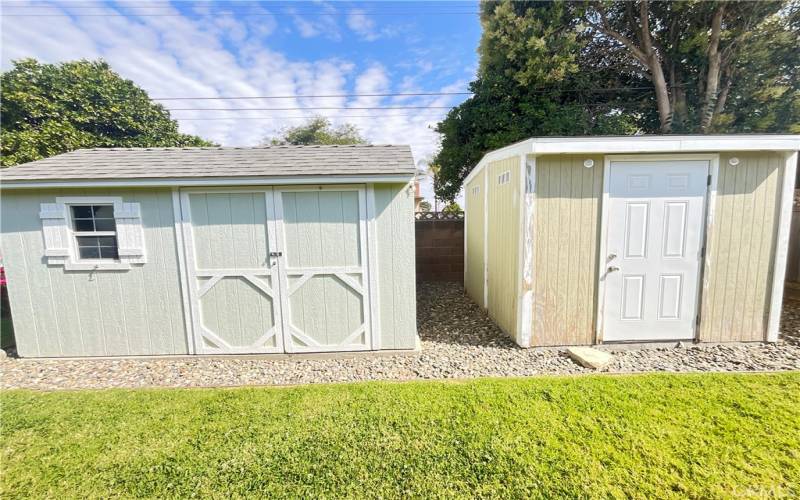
<point x="643" y="436"/>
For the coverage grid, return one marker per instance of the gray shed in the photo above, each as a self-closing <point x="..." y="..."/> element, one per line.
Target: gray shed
<point x="120" y="252"/>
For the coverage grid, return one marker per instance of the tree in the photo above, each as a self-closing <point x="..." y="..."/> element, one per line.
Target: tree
<point x="317" y="130"/>
<point x="452" y="208"/>
<point x="48" y="109"/>
<point x="617" y="67"/>
<point x="694" y="51"/>
<point x="529" y="84"/>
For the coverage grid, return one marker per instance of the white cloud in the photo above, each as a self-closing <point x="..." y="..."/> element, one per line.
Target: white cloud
<point x="362" y="24"/>
<point x="322" y="22"/>
<point x="180" y="56"/>
<point x="366" y="28"/>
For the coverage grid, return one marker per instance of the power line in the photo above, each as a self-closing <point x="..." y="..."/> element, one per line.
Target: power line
<point x="308" y="108"/>
<point x="246" y="14"/>
<point x="302" y="96"/>
<point x="399" y="94"/>
<point x="296" y="117"/>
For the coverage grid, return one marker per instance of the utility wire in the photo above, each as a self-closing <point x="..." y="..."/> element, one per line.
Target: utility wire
<point x="307" y="108"/>
<point x="390" y="94"/>
<point x="302" y="96"/>
<point x="296" y="117"/>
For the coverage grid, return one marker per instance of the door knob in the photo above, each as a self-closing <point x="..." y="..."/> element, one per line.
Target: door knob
<point x="611" y="269"/>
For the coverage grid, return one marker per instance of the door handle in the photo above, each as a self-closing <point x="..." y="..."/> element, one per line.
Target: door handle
<point x="612" y="256"/>
<point x="611" y="269"/>
<point x="276" y="254"/>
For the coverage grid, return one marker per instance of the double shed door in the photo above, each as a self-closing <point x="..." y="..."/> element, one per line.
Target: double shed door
<point x="279" y="269"/>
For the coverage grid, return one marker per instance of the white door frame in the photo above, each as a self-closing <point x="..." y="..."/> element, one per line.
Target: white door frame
<point x="195" y="292"/>
<point x="365" y="269"/>
<point x="708" y="216"/>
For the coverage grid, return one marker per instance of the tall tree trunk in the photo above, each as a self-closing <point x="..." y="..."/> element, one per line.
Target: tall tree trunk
<point x="712" y="76"/>
<point x="653" y="62"/>
<point x="727" y="78"/>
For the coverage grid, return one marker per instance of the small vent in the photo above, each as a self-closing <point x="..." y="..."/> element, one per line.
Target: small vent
<point x="504" y="178"/>
<point x="476" y="190"/>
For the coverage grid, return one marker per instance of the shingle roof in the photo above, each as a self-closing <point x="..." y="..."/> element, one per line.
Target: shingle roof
<point x="162" y="163"/>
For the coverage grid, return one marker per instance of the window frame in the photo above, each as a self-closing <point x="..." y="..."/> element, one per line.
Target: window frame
<point x="77" y="234"/>
<point x="75" y="261"/>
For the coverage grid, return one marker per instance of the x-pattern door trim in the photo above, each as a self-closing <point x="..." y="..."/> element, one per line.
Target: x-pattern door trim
<point x="344" y="274"/>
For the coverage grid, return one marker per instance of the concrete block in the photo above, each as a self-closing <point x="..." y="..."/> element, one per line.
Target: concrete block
<point x="589" y="357"/>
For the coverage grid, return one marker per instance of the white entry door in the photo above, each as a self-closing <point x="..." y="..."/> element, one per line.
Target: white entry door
<point x="654" y="228"/>
<point x="322" y="231"/>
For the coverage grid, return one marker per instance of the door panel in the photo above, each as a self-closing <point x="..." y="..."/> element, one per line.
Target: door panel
<point x="233" y="283"/>
<point x="655" y="222"/>
<point x="325" y="300"/>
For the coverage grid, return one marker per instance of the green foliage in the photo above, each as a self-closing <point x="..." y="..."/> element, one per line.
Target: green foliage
<point x="627" y="436"/>
<point x="547" y="69"/>
<point x="49" y="109"/>
<point x="765" y="95"/>
<point x="318" y="130"/>
<point x="452" y="208"/>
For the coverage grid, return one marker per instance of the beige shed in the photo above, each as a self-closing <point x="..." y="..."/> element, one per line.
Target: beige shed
<point x="120" y="252"/>
<point x="589" y="240"/>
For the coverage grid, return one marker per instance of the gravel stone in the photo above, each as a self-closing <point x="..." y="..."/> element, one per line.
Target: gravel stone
<point x="458" y="341"/>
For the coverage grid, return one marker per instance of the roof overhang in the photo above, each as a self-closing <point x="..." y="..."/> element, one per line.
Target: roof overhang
<point x="207" y="181"/>
<point x="640" y="144"/>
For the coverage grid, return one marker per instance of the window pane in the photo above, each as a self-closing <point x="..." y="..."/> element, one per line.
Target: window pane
<point x="107" y="241"/>
<point x="81" y="212"/>
<point x="108" y="252"/>
<point x="103" y="211"/>
<point x="89" y="252"/>
<point x="84" y="225"/>
<point x="105" y="225"/>
<point x="87" y="241"/>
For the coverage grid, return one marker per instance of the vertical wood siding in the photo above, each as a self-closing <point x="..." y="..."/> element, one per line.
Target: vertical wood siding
<point x="105" y="313"/>
<point x="394" y="214"/>
<point x="475" y="224"/>
<point x="503" y="235"/>
<point x="740" y="249"/>
<point x="566" y="237"/>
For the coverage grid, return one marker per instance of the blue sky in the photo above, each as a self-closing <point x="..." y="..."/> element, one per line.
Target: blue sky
<point x="218" y="49"/>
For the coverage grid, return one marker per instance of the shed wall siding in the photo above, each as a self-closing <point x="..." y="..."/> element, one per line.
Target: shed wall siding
<point x="105" y="313"/>
<point x="566" y="241"/>
<point x="503" y="250"/>
<point x="741" y="248"/>
<point x="475" y="222"/>
<point x="394" y="216"/>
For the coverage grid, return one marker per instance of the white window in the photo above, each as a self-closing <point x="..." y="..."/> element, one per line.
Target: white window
<point x="504" y="178"/>
<point x="95" y="231"/>
<point x="92" y="233"/>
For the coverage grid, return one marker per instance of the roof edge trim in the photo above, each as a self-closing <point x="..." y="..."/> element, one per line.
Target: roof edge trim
<point x="640" y="144"/>
<point x="210" y="181"/>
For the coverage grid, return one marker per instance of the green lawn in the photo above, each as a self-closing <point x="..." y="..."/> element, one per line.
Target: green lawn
<point x="598" y="436"/>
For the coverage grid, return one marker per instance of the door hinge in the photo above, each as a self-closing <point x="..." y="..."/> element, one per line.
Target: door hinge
<point x="708" y="180"/>
<point x="697" y="320"/>
<point x="275" y="254"/>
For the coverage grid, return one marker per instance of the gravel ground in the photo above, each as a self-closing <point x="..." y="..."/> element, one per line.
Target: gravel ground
<point x="458" y="341"/>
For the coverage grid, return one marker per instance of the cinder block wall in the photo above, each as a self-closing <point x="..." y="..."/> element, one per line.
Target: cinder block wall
<point x="440" y="250"/>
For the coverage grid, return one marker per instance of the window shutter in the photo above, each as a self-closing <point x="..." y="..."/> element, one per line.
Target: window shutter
<point x="130" y="234"/>
<point x="56" y="233"/>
